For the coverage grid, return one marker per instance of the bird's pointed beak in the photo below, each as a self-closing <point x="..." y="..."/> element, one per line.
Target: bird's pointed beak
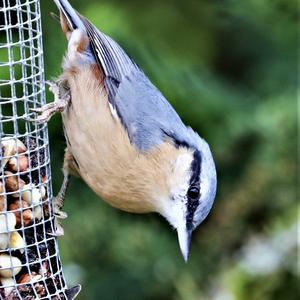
<point x="184" y="239"/>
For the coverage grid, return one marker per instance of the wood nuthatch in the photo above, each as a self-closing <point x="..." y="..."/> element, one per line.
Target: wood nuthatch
<point x="123" y="137"/>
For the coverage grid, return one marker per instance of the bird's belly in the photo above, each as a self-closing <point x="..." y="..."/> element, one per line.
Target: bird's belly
<point x="100" y="145"/>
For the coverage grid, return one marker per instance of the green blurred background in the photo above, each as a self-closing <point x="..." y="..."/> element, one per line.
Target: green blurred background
<point x="229" y="69"/>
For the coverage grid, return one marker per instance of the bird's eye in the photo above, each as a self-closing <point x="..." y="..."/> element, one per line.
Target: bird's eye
<point x="193" y="192"/>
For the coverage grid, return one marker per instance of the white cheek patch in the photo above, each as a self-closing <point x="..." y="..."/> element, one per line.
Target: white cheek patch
<point x="179" y="180"/>
<point x="180" y="177"/>
<point x="175" y="212"/>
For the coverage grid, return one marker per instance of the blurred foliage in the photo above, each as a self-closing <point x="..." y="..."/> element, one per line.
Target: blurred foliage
<point x="229" y="69"/>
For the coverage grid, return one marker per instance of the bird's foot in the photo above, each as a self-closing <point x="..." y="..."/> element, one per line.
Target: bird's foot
<point x="58" y="203"/>
<point x="58" y="229"/>
<point x="57" y="206"/>
<point x="48" y="110"/>
<point x="59" y="215"/>
<point x="53" y="88"/>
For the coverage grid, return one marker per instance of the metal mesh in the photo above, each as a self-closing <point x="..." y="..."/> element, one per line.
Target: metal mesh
<point x="30" y="266"/>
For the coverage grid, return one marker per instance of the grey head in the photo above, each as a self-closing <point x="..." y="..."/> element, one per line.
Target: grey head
<point x="193" y="191"/>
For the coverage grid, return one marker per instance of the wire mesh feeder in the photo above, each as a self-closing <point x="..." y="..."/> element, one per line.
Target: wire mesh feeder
<point x="30" y="266"/>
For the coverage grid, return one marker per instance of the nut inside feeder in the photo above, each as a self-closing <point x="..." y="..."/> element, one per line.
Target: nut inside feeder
<point x="28" y="262"/>
<point x="30" y="266"/>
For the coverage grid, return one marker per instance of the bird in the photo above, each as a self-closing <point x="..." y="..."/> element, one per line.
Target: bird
<point x="123" y="137"/>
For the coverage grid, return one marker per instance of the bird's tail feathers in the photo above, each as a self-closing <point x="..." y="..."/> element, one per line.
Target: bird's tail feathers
<point x="70" y="19"/>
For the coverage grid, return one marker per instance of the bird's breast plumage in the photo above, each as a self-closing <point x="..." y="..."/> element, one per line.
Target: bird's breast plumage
<point x="107" y="161"/>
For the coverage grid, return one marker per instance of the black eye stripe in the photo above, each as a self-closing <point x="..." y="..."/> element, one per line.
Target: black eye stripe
<point x="196" y="168"/>
<point x="194" y="192"/>
<point x="191" y="208"/>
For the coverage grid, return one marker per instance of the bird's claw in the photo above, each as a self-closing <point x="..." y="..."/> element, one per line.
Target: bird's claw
<point x="45" y="112"/>
<point x="59" y="231"/>
<point x="41" y="109"/>
<point x="60" y="214"/>
<point x="57" y="203"/>
<point x="53" y="87"/>
<point x="57" y="206"/>
<point x="29" y="119"/>
<point x="48" y="110"/>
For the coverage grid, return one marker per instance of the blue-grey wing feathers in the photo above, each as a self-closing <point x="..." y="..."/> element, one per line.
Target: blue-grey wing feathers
<point x="148" y="116"/>
<point x="145" y="113"/>
<point x="70" y="14"/>
<point x="111" y="58"/>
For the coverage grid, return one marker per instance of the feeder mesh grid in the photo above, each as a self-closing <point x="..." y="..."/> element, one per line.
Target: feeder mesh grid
<point x="30" y="266"/>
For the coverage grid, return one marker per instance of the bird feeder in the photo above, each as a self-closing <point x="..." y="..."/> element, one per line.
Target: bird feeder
<point x="30" y="266"/>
